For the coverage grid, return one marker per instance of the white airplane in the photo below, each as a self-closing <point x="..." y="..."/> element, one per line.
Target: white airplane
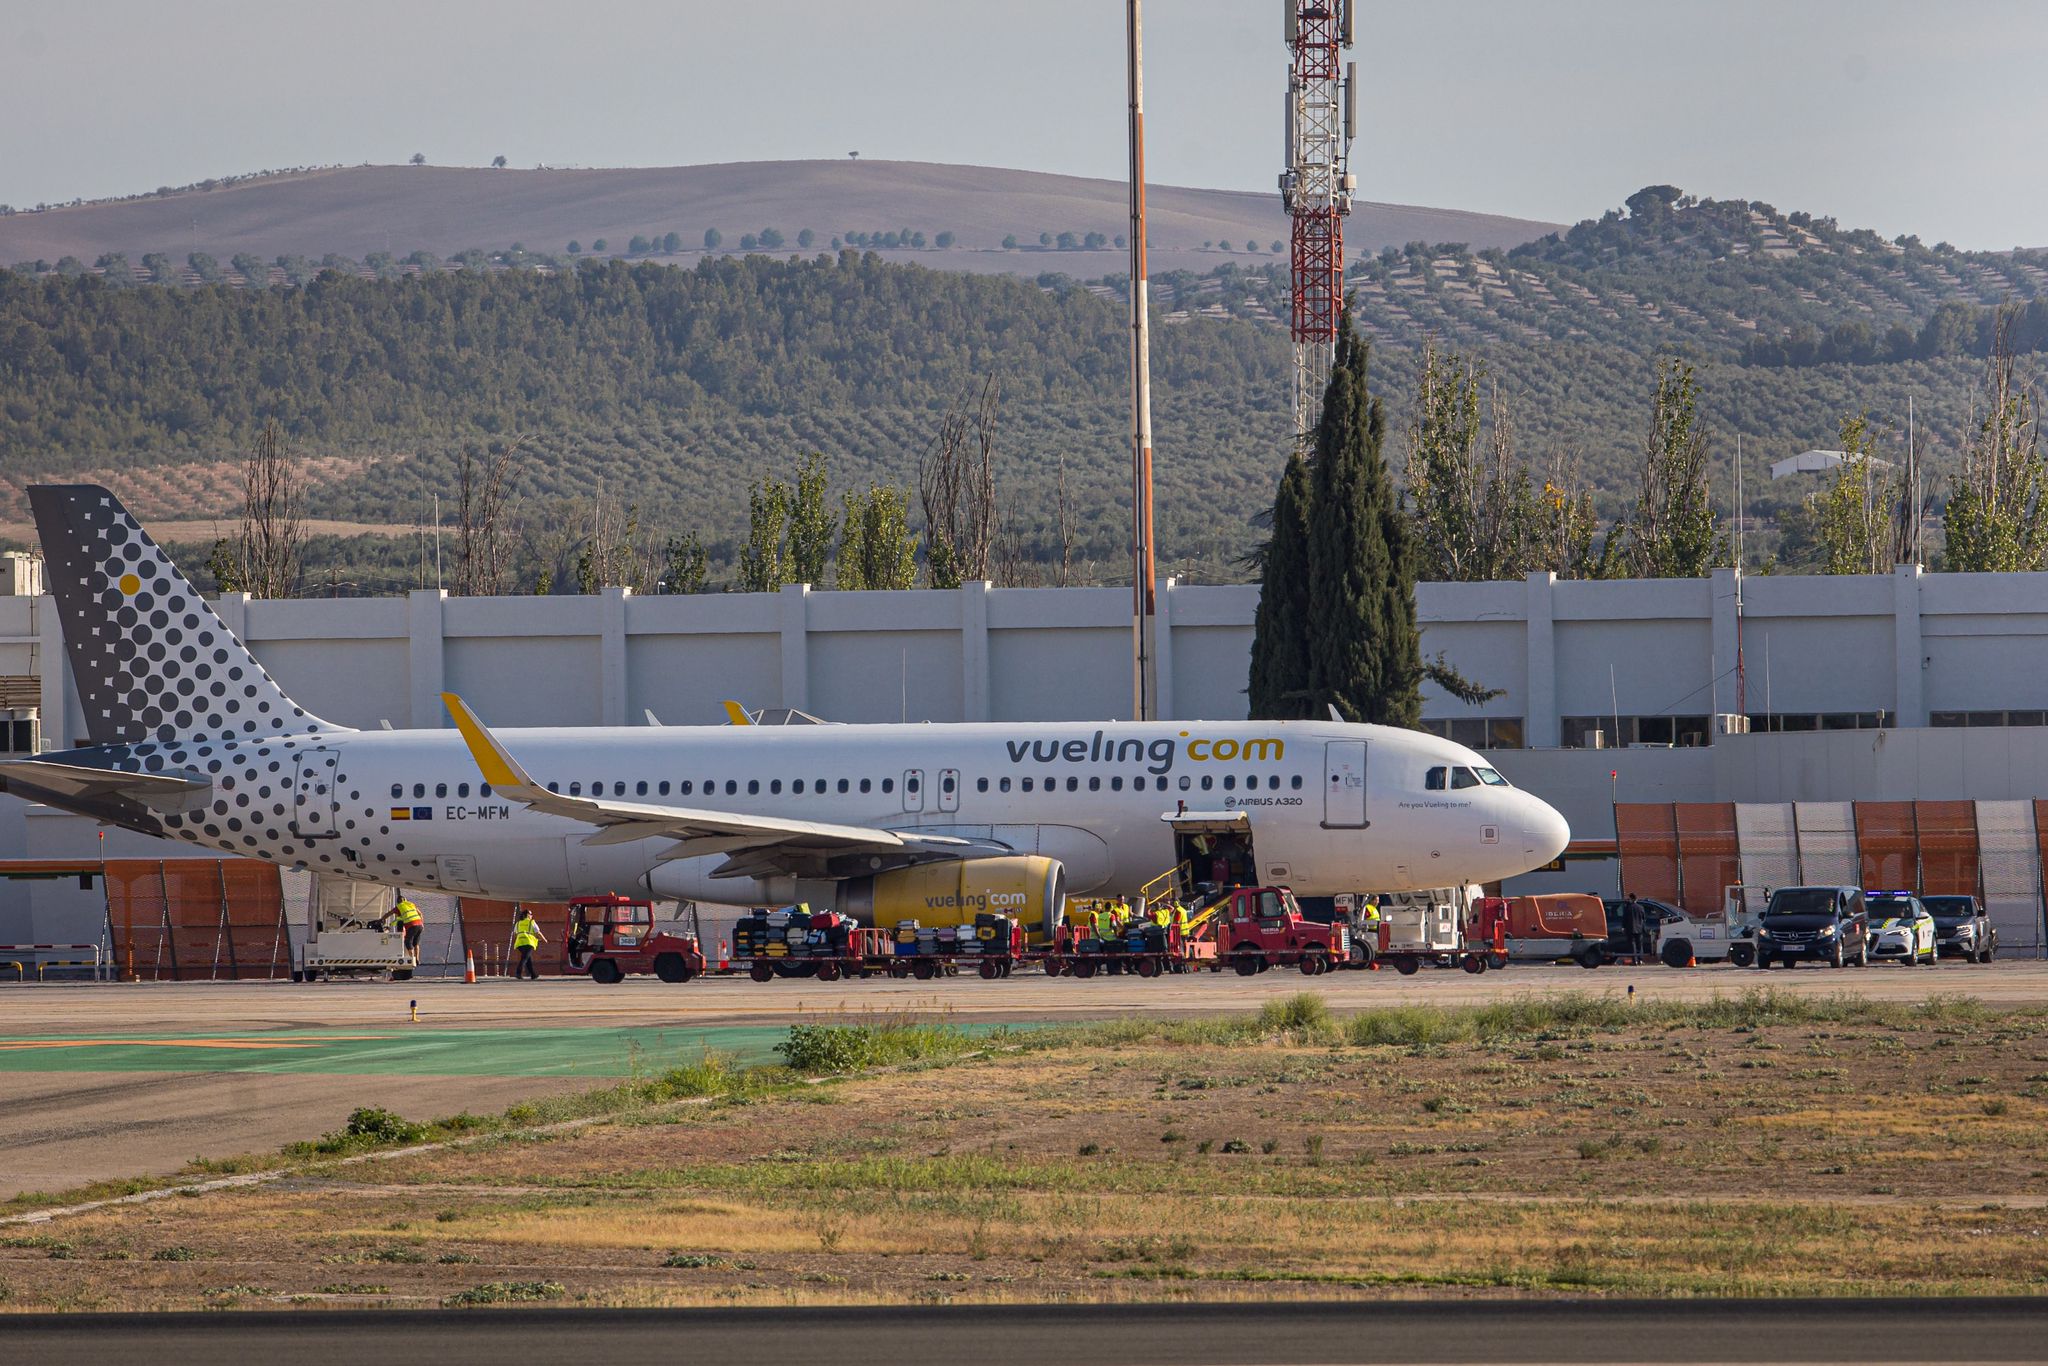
<point x="192" y="740"/>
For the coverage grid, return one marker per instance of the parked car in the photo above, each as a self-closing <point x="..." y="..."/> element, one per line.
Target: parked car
<point x="1901" y="928"/>
<point x="1662" y="914"/>
<point x="1827" y="923"/>
<point x="1961" y="928"/>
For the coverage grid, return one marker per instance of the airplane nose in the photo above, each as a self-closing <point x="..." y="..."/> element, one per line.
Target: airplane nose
<point x="1545" y="832"/>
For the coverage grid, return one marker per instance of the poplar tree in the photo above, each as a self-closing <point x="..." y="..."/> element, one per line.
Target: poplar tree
<point x="811" y="523"/>
<point x="1280" y="631"/>
<point x="1997" y="516"/>
<point x="876" y="549"/>
<point x="762" y="568"/>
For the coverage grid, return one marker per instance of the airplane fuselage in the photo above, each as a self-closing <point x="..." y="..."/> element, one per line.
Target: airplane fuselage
<point x="1331" y="807"/>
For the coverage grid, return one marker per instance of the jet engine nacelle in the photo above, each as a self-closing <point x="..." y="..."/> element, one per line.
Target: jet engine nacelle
<point x="1030" y="887"/>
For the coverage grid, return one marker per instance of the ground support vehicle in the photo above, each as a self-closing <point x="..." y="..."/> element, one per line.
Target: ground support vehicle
<point x="1829" y="924"/>
<point x="1418" y="928"/>
<point x="1962" y="928"/>
<point x="794" y="941"/>
<point x="1262" y="927"/>
<point x="610" y="938"/>
<point x="992" y="946"/>
<point x="347" y="934"/>
<point x="1901" y="929"/>
<point x="1142" y="947"/>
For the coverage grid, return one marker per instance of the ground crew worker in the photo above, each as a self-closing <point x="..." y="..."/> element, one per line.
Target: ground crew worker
<point x="1162" y="914"/>
<point x="1369" y="917"/>
<point x="413" y="923"/>
<point x="1632" y="923"/>
<point x="526" y="937"/>
<point x="1181" y="921"/>
<point x="1105" y="922"/>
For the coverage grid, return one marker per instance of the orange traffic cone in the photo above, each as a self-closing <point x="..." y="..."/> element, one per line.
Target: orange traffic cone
<point x="468" y="966"/>
<point x="1692" y="962"/>
<point x="724" y="957"/>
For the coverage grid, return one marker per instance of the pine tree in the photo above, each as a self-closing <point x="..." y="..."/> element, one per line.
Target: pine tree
<point x="1365" y="655"/>
<point x="1279" y="680"/>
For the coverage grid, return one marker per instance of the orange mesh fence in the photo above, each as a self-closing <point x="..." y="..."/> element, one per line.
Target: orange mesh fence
<point x="197" y="907"/>
<point x="253" y="895"/>
<point x="135" y="914"/>
<point x="1647" y="835"/>
<point x="1948" y="848"/>
<point x="1889" y="852"/>
<point x="487" y="930"/>
<point x="1709" y="856"/>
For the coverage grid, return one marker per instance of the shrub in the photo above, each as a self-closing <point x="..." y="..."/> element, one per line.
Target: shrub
<point x="1303" y="1013"/>
<point x="505" y="1292"/>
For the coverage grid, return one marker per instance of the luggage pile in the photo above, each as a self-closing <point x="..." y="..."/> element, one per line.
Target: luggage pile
<point x="793" y="932"/>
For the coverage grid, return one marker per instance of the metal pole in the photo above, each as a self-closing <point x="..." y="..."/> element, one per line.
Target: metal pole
<point x="1144" y="607"/>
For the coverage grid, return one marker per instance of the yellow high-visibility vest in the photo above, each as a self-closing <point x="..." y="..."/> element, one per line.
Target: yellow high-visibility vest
<point x="525" y="933"/>
<point x="408" y="914"/>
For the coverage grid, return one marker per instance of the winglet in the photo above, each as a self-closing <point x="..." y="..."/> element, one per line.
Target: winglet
<point x="737" y="714"/>
<point x="497" y="765"/>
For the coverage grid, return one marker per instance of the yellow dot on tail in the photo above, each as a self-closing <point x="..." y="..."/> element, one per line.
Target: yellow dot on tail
<point x="130" y="585"/>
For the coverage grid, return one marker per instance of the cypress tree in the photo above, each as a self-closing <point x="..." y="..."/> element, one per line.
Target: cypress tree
<point x="1365" y="655"/>
<point x="1279" y="679"/>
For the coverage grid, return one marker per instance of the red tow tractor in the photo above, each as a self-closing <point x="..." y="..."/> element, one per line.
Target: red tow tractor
<point x="609" y="937"/>
<point x="1262" y="927"/>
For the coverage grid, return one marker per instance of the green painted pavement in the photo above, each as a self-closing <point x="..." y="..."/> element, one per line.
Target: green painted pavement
<point x="420" y="1052"/>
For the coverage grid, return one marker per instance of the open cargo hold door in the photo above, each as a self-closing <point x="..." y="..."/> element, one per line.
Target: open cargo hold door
<point x="1213" y="849"/>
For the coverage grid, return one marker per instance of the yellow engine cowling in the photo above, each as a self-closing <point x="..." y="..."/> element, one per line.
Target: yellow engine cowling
<point x="1030" y="887"/>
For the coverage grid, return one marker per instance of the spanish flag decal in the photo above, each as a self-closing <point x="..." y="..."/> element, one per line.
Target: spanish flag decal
<point x="401" y="813"/>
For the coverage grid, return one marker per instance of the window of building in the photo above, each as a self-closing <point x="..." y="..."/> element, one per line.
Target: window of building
<point x="1684" y="732"/>
<point x="1478" y="732"/>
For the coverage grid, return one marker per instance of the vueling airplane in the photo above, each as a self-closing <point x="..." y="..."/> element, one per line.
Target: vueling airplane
<point x="192" y="740"/>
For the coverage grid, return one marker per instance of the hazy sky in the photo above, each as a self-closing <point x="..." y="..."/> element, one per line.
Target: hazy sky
<point x="1927" y="118"/>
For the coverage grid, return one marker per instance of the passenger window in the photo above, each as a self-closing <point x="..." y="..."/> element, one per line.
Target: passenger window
<point x="754" y="787"/>
<point x="640" y="788"/>
<point x="397" y="791"/>
<point x="1295" y="782"/>
<point x="1229" y="782"/>
<point x="910" y="783"/>
<point x="1116" y="784"/>
<point x="575" y="789"/>
<point x="1207" y="782"/>
<point x="483" y="790"/>
<point x="1095" y="784"/>
<point x="555" y="788"/>
<point x="462" y="790"/>
<point x="1027" y="784"/>
<point x="419" y="789"/>
<point x="1073" y="784"/>
<point x="661" y="788"/>
<point x="865" y="784"/>
<point x="684" y="787"/>
<point x="1463" y="777"/>
<point x="947" y="783"/>
<point x="888" y="784"/>
<point x="842" y="784"/>
<point x="1435" y="781"/>
<point x="732" y="787"/>
<point x="1184" y="784"/>
<point x="774" y="786"/>
<point x="981" y="784"/>
<point x="1002" y="784"/>
<point x="619" y="788"/>
<point x="797" y="788"/>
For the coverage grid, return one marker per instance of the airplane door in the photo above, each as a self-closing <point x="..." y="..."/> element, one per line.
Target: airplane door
<point x="949" y="789"/>
<point x="1344" y="785"/>
<point x="913" y="789"/>
<point x="313" y="795"/>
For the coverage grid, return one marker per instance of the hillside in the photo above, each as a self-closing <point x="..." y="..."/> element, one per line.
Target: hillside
<point x="354" y="211"/>
<point x="673" y="389"/>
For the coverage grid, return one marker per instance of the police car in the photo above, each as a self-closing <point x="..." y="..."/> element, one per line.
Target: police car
<point x="1901" y="927"/>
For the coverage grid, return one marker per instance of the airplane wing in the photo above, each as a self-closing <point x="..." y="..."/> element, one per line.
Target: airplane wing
<point x="757" y="845"/>
<point x="163" y="791"/>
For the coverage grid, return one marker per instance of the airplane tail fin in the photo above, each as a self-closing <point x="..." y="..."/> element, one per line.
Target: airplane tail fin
<point x="150" y="658"/>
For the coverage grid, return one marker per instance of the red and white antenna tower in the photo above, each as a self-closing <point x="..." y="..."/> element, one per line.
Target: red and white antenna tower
<point x="1316" y="186"/>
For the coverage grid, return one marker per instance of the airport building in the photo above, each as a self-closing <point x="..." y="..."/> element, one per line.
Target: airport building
<point x="1775" y="700"/>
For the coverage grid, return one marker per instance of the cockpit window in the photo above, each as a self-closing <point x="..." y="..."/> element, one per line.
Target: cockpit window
<point x="1464" y="777"/>
<point x="1435" y="781"/>
<point x="1491" y="778"/>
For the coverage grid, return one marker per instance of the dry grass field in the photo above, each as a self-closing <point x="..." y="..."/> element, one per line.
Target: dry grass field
<point x="1762" y="1145"/>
